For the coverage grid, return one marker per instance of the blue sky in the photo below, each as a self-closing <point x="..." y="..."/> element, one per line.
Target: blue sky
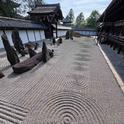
<point x="85" y="6"/>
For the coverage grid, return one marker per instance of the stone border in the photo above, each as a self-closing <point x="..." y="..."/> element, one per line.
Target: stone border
<point x="112" y="68"/>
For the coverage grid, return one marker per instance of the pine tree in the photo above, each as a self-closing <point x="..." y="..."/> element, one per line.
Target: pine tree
<point x="70" y="17"/>
<point x="8" y="8"/>
<point x="92" y="19"/>
<point x="80" y="20"/>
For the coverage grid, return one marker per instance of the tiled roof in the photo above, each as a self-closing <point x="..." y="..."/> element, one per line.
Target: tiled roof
<point x="44" y="9"/>
<point x="113" y="12"/>
<point x="6" y="22"/>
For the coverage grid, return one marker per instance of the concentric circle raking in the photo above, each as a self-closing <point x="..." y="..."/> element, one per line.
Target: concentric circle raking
<point x="70" y="107"/>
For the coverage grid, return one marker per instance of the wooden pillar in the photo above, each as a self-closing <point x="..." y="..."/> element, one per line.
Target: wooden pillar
<point x="56" y="30"/>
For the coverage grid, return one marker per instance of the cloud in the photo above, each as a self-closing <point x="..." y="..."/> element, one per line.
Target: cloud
<point x="85" y="6"/>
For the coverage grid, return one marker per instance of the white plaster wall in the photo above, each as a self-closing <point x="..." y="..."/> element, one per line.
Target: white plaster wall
<point x="42" y="34"/>
<point x="54" y="34"/>
<point x="87" y="32"/>
<point x="61" y="33"/>
<point x="9" y="35"/>
<point x="23" y="36"/>
<point x="37" y="34"/>
<point x="31" y="35"/>
<point x="1" y="43"/>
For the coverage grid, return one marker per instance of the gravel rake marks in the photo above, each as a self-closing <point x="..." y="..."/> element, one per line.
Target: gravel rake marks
<point x="71" y="107"/>
<point x="11" y="114"/>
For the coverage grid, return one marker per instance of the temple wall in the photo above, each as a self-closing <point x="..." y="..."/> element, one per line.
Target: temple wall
<point x="1" y="44"/>
<point x="8" y="32"/>
<point x="87" y="33"/>
<point x="42" y="34"/>
<point x="23" y="36"/>
<point x="37" y="35"/>
<point x="31" y="35"/>
<point x="60" y="33"/>
<point x="26" y="36"/>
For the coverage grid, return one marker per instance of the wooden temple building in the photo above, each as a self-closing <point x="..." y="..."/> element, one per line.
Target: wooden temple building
<point x="111" y="25"/>
<point x="43" y="24"/>
<point x="48" y="14"/>
<point x="28" y="30"/>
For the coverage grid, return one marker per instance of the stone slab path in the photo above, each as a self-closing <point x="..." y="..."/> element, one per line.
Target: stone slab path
<point x="74" y="87"/>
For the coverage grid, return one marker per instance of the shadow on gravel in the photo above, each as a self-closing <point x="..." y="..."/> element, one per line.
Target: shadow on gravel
<point x="84" y="51"/>
<point x="82" y="59"/>
<point x="85" y="46"/>
<point x="82" y="55"/>
<point x="13" y="75"/>
<point x="79" y="68"/>
<point x="80" y="64"/>
<point x="75" y="76"/>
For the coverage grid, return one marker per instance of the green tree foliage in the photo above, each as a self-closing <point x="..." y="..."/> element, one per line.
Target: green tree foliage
<point x="92" y="19"/>
<point x="70" y="17"/>
<point x="8" y="8"/>
<point x="80" y="22"/>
